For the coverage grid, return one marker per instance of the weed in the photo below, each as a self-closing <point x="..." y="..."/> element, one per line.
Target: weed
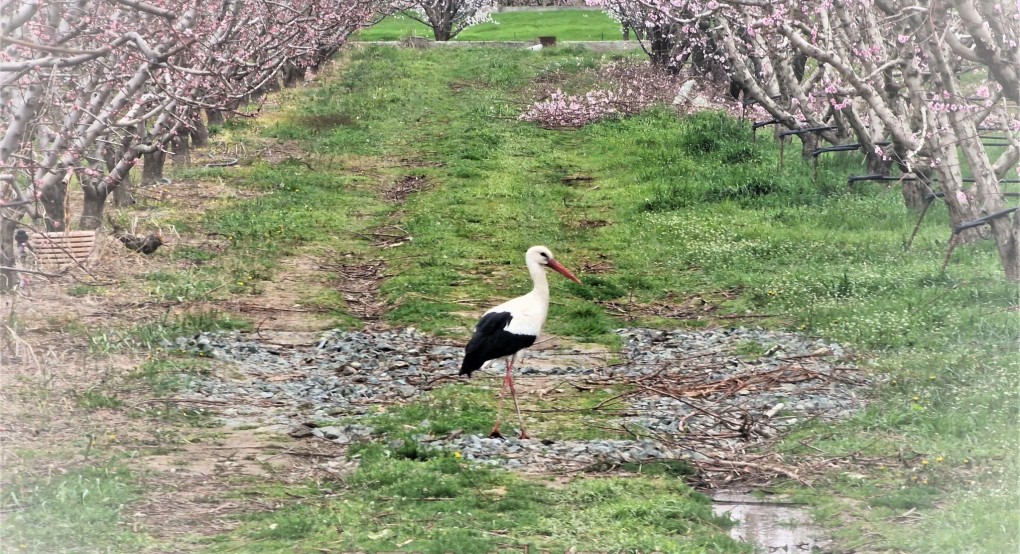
<point x="183" y="286"/>
<point x="93" y="400"/>
<point x="164" y="375"/>
<point x="664" y="468"/>
<point x="157" y="334"/>
<point x="586" y="322"/>
<point x="908" y="498"/>
<point x="69" y="512"/>
<point x="750" y="348"/>
<point x="79" y="291"/>
<point x="597" y="288"/>
<point x="439" y="503"/>
<point x="714" y="133"/>
<point x="196" y="255"/>
<point x="450" y="408"/>
<point x="153" y="335"/>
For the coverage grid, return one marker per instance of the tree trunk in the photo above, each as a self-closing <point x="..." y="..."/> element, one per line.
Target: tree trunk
<point x="292" y="76"/>
<point x="876" y="165"/>
<point x="808" y="144"/>
<point x="1006" y="231"/>
<point x="661" y="44"/>
<point x="960" y="206"/>
<point x="152" y="166"/>
<point x="915" y="195"/>
<point x="799" y="66"/>
<point x="8" y="255"/>
<point x="53" y="199"/>
<point x="122" y="192"/>
<point x="182" y="148"/>
<point x="199" y="133"/>
<point x="985" y="197"/>
<point x="121" y="188"/>
<point x="214" y="117"/>
<point x="442" y="33"/>
<point x="95" y="200"/>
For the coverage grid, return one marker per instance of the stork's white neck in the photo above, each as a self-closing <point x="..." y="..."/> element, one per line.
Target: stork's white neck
<point x="538" y="277"/>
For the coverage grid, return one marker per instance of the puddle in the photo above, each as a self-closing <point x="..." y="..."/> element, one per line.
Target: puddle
<point x="771" y="526"/>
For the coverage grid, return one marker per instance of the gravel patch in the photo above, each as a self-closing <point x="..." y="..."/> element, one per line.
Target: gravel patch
<point x="704" y="396"/>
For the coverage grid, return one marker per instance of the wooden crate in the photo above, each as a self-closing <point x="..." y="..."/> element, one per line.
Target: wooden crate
<point x="60" y="249"/>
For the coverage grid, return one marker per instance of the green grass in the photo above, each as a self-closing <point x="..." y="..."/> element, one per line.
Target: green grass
<point x="94" y="399"/>
<point x="80" y="510"/>
<point x="528" y="26"/>
<point x="164" y="375"/>
<point x="153" y="335"/>
<point x="434" y="502"/>
<point x="471" y="409"/>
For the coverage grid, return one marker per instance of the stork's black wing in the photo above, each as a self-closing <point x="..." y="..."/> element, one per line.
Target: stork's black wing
<point x="491" y="340"/>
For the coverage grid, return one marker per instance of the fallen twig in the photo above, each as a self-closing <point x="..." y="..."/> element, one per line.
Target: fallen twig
<point x="36" y="272"/>
<point x="767" y="467"/>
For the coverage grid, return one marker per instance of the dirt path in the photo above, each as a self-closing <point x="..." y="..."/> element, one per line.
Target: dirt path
<point x="73" y="396"/>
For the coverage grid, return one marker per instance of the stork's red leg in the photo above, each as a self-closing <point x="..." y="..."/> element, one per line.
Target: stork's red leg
<point x="513" y="394"/>
<point x="502" y="392"/>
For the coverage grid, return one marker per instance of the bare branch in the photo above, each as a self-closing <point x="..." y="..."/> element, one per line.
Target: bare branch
<point x="148" y="8"/>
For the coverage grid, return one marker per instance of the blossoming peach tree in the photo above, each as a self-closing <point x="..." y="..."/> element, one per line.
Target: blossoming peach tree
<point x="89" y="87"/>
<point x="447" y="18"/>
<point x="917" y="83"/>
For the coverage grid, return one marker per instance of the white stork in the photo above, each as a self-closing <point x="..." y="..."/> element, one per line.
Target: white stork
<point x="507" y="329"/>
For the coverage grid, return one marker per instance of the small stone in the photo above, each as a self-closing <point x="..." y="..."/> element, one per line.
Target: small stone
<point x="301" y="432"/>
<point x="330" y="432"/>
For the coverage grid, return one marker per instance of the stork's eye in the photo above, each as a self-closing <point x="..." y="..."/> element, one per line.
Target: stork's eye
<point x="544" y="255"/>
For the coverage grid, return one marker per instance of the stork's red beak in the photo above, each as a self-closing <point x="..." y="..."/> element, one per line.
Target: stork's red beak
<point x="566" y="272"/>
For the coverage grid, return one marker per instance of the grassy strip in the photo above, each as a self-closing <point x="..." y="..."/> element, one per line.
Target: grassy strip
<point x="430" y="502"/>
<point x="562" y="24"/>
<point x="471" y="408"/>
<point x="76" y="511"/>
<point x="155" y="334"/>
